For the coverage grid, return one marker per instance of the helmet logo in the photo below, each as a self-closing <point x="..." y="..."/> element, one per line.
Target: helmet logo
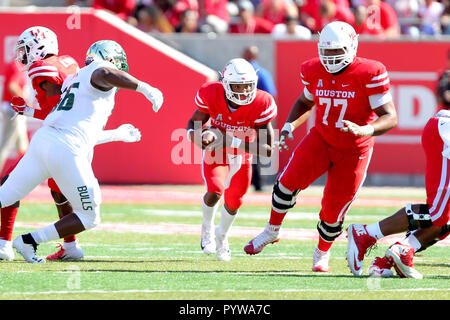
<point x="37" y="33"/>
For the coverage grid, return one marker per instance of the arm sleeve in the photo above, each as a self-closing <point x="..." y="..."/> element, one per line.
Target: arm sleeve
<point x="106" y="136"/>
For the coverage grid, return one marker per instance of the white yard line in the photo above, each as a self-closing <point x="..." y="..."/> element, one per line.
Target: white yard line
<point x="236" y="231"/>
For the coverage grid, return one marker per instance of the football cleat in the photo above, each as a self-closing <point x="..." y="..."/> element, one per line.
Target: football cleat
<point x="381" y="268"/>
<point x="28" y="251"/>
<point x="358" y="243"/>
<point x="402" y="257"/>
<point x="6" y="250"/>
<point x="207" y="242"/>
<point x="223" y="252"/>
<point x="74" y="253"/>
<point x="320" y="261"/>
<point x="268" y="236"/>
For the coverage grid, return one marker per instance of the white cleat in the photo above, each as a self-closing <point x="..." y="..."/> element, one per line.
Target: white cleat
<point x="223" y="252"/>
<point x="71" y="253"/>
<point x="268" y="236"/>
<point x="27" y="251"/>
<point x="207" y="242"/>
<point x="320" y="261"/>
<point x="6" y="250"/>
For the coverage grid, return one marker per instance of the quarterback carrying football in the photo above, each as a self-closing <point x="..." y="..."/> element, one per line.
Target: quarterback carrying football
<point x="240" y="117"/>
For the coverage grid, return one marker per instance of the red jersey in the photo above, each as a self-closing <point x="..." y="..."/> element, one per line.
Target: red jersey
<point x="54" y="69"/>
<point x="344" y="96"/>
<point x="241" y="122"/>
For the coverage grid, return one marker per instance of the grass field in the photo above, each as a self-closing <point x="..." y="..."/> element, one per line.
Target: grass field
<point x="151" y="251"/>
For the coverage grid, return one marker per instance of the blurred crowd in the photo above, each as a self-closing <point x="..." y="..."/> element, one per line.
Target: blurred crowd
<point x="299" y="18"/>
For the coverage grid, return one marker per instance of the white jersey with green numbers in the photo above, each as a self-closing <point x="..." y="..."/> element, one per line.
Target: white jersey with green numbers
<point x="83" y="110"/>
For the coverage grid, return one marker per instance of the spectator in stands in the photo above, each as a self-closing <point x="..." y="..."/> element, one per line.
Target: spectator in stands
<point x="214" y="16"/>
<point x="276" y="11"/>
<point x="151" y="19"/>
<point x="381" y="20"/>
<point x="291" y="28"/>
<point x="13" y="131"/>
<point x="121" y="8"/>
<point x="445" y="18"/>
<point x="430" y="13"/>
<point x="266" y="83"/>
<point x="248" y="23"/>
<point x="330" y="11"/>
<point x="172" y="9"/>
<point x="407" y="14"/>
<point x="188" y="22"/>
<point x="310" y="12"/>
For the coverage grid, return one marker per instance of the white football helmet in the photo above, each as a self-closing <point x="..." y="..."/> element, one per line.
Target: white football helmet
<point x="337" y="35"/>
<point x="34" y="44"/>
<point x="239" y="71"/>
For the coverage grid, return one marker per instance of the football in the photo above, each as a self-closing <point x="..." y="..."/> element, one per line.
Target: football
<point x="208" y="137"/>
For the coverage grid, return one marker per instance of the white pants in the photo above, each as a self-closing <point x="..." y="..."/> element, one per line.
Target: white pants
<point x="49" y="157"/>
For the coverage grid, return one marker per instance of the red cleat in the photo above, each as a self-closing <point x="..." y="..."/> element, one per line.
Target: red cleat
<point x="358" y="243"/>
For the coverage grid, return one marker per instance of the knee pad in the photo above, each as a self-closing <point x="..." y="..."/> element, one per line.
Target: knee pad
<point x="422" y="219"/>
<point x="329" y="232"/>
<point x="282" y="198"/>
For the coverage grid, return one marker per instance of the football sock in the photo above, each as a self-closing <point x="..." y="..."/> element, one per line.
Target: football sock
<point x="209" y="213"/>
<point x="8" y="217"/>
<point x="28" y="239"/>
<point x="324" y="245"/>
<point x="70" y="239"/>
<point x="226" y="220"/>
<point x="374" y="230"/>
<point x="276" y="218"/>
<point x="45" y="234"/>
<point x="412" y="241"/>
<point x="70" y="244"/>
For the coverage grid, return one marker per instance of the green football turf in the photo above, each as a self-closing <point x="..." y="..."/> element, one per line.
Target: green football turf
<point x="128" y="265"/>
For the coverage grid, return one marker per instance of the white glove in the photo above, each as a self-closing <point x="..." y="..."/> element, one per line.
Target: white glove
<point x="154" y="95"/>
<point x="288" y="127"/>
<point x="359" y="131"/>
<point x="127" y="133"/>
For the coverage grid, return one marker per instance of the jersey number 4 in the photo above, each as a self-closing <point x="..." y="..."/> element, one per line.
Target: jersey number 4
<point x="66" y="103"/>
<point x="328" y="102"/>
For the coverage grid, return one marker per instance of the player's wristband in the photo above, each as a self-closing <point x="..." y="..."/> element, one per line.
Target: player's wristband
<point x="288" y="127"/>
<point x="236" y="142"/>
<point x="367" y="130"/>
<point x="143" y="87"/>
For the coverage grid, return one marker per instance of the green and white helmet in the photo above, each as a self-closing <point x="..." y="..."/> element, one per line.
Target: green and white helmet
<point x="108" y="50"/>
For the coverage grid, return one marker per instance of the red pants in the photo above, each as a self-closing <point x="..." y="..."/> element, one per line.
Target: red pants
<point x="346" y="171"/>
<point x="437" y="174"/>
<point x="231" y="177"/>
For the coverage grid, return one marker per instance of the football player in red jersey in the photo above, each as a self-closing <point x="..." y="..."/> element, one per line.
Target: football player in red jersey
<point x="349" y="93"/>
<point x="240" y="117"/>
<point x="37" y="50"/>
<point x="426" y="223"/>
